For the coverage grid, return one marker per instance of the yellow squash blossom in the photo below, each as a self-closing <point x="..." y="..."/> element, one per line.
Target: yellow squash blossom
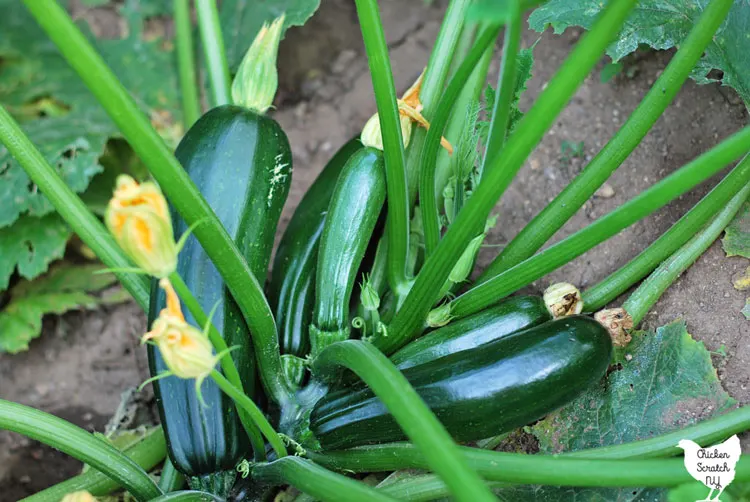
<point x="409" y="111"/>
<point x="138" y="218"/>
<point x="186" y="350"/>
<point x="82" y="496"/>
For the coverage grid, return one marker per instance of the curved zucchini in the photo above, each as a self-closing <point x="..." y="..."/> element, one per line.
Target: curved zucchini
<point x="291" y="291"/>
<point x="352" y="214"/>
<point x="480" y="392"/>
<point x="241" y="162"/>
<point x="512" y="315"/>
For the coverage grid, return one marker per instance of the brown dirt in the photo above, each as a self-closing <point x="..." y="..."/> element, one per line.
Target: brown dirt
<point x="83" y="361"/>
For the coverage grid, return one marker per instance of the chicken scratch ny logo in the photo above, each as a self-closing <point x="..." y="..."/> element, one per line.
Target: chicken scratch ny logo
<point x="713" y="466"/>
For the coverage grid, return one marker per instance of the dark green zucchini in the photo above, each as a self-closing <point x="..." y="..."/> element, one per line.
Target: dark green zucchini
<point x="355" y="205"/>
<point x="241" y="162"/>
<point x="480" y="392"/>
<point x="291" y="291"/>
<point x="513" y="314"/>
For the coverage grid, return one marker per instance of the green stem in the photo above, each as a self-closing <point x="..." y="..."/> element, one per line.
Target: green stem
<point x="314" y="480"/>
<point x="188" y="496"/>
<point x="227" y="364"/>
<point x="409" y="411"/>
<point x="170" y="479"/>
<point x="567" y="203"/>
<point x="433" y="84"/>
<point x="648" y="201"/>
<point x="422" y="488"/>
<point x="213" y="50"/>
<point x="245" y="403"/>
<point x="506" y="84"/>
<point x="618" y="282"/>
<point x="176" y="184"/>
<point x="427" y="195"/>
<point x="397" y="224"/>
<point x="147" y="453"/>
<point x="501" y="171"/>
<point x="76" y="442"/>
<point x="526" y="469"/>
<point x="706" y="433"/>
<point x="71" y="207"/>
<point x="650" y="290"/>
<point x="191" y="108"/>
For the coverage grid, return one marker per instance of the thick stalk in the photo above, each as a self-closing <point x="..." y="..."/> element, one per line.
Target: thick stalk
<point x="501" y="171"/>
<point x="605" y="227"/>
<point x="427" y="196"/>
<point x="636" y="269"/>
<point x="649" y="292"/>
<point x="248" y="405"/>
<point x="76" y="442"/>
<point x="506" y="84"/>
<point x="393" y="147"/>
<point x="71" y="207"/>
<point x="526" y="469"/>
<point x="314" y="480"/>
<point x="409" y="411"/>
<point x="176" y="184"/>
<point x="422" y="488"/>
<point x="433" y="84"/>
<point x="191" y="107"/>
<point x="213" y="51"/>
<point x="578" y="191"/>
<point x="147" y="453"/>
<point x="170" y="479"/>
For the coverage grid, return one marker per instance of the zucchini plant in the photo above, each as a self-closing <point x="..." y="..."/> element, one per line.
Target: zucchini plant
<point x="370" y="349"/>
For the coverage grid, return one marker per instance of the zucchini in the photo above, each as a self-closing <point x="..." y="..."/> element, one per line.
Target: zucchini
<point x="480" y="392"/>
<point x="356" y="203"/>
<point x="512" y="315"/>
<point x="241" y="162"/>
<point x="291" y="291"/>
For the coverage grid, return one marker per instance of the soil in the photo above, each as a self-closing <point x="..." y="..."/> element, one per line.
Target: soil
<point x="82" y="363"/>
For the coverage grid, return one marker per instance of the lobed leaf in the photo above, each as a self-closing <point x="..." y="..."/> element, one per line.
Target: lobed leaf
<point x="663" y="24"/>
<point x="64" y="288"/>
<point x="663" y="381"/>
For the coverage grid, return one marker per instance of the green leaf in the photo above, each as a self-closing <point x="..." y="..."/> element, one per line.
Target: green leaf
<point x="663" y="381"/>
<point x="31" y="243"/>
<point x="66" y="123"/>
<point x="663" y="24"/>
<point x="690" y="492"/>
<point x="736" y="241"/>
<point x="64" y="288"/>
<point x="609" y="71"/>
<point x="241" y="20"/>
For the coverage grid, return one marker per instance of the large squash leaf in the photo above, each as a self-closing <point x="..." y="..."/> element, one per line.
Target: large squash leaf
<point x="663" y="381"/>
<point x="65" y="287"/>
<point x="66" y="123"/>
<point x="241" y="20"/>
<point x="663" y="24"/>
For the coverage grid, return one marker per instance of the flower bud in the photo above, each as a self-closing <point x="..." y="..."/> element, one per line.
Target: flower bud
<point x="187" y="351"/>
<point x="138" y="218"/>
<point x="257" y="79"/>
<point x="439" y="316"/>
<point x="563" y="299"/>
<point x="465" y="264"/>
<point x="368" y="296"/>
<point x="618" y="322"/>
<point x="82" y="496"/>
